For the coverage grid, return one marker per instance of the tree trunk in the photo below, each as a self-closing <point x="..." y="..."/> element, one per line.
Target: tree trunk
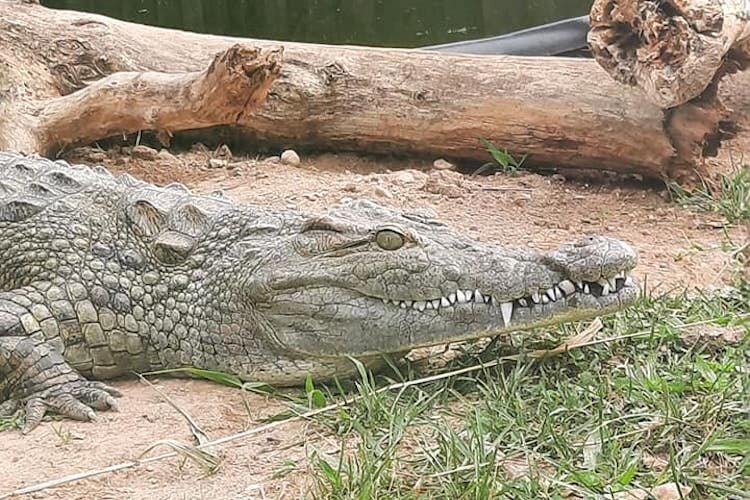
<point x="564" y="112"/>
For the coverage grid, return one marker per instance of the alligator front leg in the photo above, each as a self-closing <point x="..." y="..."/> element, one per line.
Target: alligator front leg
<point x="36" y="378"/>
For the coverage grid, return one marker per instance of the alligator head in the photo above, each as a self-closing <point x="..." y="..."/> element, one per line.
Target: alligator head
<point x="365" y="280"/>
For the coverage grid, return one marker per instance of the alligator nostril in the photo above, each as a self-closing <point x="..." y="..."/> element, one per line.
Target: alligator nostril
<point x="451" y="273"/>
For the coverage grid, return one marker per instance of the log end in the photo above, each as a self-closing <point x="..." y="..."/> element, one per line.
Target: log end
<point x="672" y="50"/>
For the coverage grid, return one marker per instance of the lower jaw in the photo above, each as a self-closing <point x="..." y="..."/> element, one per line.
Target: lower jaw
<point x="326" y="330"/>
<point x="575" y="307"/>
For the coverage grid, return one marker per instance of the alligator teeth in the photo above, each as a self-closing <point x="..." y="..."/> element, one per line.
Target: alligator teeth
<point x="556" y="292"/>
<point x="567" y="287"/>
<point x="507" y="310"/>
<point x="552" y="294"/>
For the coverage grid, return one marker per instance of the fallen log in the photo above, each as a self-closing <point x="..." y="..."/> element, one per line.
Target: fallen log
<point x="564" y="112"/>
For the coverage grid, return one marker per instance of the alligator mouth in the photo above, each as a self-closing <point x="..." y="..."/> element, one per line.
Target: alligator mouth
<point x="522" y="306"/>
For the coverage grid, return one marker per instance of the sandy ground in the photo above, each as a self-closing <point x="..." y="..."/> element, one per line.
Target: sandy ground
<point x="679" y="250"/>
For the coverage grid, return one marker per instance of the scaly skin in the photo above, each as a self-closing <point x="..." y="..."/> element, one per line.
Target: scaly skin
<point x="101" y="276"/>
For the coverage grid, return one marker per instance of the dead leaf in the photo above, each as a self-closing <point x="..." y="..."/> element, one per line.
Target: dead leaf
<point x="667" y="491"/>
<point x="713" y="336"/>
<point x="571" y="343"/>
<point x="591" y="450"/>
<point x="654" y="462"/>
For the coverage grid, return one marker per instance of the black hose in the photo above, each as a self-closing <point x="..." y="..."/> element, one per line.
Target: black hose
<point x="561" y="37"/>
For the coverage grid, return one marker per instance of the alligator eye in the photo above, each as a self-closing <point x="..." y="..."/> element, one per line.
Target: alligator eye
<point x="388" y="239"/>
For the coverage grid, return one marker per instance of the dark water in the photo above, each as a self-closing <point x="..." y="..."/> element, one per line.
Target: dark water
<point x="393" y="23"/>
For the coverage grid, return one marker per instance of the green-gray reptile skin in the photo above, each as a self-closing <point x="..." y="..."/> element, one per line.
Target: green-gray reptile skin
<point x="101" y="276"/>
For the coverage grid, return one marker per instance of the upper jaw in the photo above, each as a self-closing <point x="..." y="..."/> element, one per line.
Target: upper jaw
<point x="614" y="290"/>
<point x="592" y="273"/>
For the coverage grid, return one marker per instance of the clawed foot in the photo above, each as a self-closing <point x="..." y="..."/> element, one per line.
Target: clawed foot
<point x="77" y="400"/>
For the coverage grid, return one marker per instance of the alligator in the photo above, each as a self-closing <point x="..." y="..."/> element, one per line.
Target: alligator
<point x="104" y="275"/>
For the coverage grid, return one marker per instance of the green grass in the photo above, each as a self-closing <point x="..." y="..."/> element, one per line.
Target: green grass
<point x="730" y="198"/>
<point x="646" y="406"/>
<point x="10" y="424"/>
<point x="503" y="161"/>
<point x="626" y="414"/>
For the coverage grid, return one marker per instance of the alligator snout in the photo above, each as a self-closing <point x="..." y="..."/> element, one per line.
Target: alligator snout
<point x="594" y="258"/>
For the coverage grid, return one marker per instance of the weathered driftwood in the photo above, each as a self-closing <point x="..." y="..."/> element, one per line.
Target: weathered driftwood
<point x="672" y="49"/>
<point x="232" y="86"/>
<point x="564" y="112"/>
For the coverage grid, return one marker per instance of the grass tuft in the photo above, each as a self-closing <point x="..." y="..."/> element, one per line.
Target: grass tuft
<point x="7" y="424"/>
<point x="503" y="160"/>
<point x="730" y="198"/>
<point x="639" y="412"/>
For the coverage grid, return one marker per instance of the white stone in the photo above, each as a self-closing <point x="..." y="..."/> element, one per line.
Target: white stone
<point x="441" y="164"/>
<point x="290" y="157"/>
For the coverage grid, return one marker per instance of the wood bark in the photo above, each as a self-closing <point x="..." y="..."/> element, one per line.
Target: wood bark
<point x="231" y="87"/>
<point x="567" y="113"/>
<point x="674" y="50"/>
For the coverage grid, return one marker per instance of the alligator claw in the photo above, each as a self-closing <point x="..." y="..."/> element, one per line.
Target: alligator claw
<point x="76" y="400"/>
<point x="9" y="409"/>
<point x="37" y="379"/>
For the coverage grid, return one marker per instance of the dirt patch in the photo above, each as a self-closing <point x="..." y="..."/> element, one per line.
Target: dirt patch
<point x="679" y="249"/>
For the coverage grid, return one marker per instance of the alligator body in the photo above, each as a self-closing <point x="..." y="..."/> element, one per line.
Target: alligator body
<point x="101" y="276"/>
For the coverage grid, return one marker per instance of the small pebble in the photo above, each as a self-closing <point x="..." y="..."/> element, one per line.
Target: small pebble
<point x="167" y="156"/>
<point x="144" y="152"/>
<point x="290" y="157"/>
<point x="380" y="191"/>
<point x="96" y="156"/>
<point x="217" y="163"/>
<point x="403" y="177"/>
<point x="441" y="164"/>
